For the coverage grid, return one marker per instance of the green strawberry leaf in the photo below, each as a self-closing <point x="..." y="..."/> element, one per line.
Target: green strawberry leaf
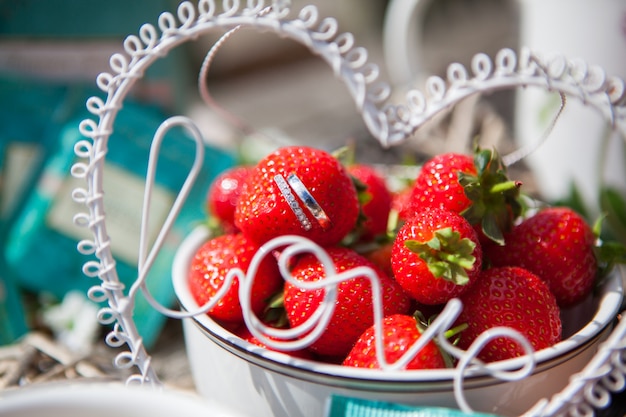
<point x="613" y="204"/>
<point x="421" y="321"/>
<point x="363" y="197"/>
<point x="363" y="194"/>
<point x="495" y="198"/>
<point x="422" y="324"/>
<point x="457" y="274"/>
<point x="214" y="225"/>
<point x="434" y="243"/>
<point x="447" y="255"/>
<point x="608" y="255"/>
<point x="482" y="160"/>
<point x="611" y="252"/>
<point x="609" y="228"/>
<point x="491" y="229"/>
<point x="274" y="313"/>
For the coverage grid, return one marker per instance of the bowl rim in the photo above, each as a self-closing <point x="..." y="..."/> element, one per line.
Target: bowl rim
<point x="80" y="396"/>
<point x="608" y="305"/>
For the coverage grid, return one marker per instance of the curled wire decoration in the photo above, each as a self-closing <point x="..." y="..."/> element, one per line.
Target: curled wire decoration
<point x="303" y="335"/>
<point x="390" y="123"/>
<point x="140" y="51"/>
<point x="572" y="78"/>
<point x="469" y="357"/>
<point x="591" y="388"/>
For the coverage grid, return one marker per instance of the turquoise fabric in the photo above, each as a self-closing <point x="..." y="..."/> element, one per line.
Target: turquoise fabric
<point x="340" y="406"/>
<point x="31" y="114"/>
<point x="45" y="258"/>
<point x="62" y="19"/>
<point x="12" y="314"/>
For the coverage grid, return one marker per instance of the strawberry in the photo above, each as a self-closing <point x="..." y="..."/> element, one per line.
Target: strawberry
<point x="401" y="203"/>
<point x="476" y="187"/>
<point x="301" y="191"/>
<point x="437" y="184"/>
<point x="375" y="201"/>
<point x="380" y="255"/>
<point x="400" y="332"/>
<point x="212" y="262"/>
<point x="495" y="198"/>
<point x="556" y="244"/>
<point x="244" y="333"/>
<point x="353" y="308"/>
<point x="223" y="195"/>
<point x="512" y="297"/>
<point x="436" y="256"/>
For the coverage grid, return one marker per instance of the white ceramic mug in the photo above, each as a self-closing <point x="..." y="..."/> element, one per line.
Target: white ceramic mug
<point x="594" y="32"/>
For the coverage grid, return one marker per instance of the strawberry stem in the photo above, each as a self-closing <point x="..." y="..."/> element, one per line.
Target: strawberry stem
<point x="392" y="223"/>
<point x="505" y="186"/>
<point x="455" y="330"/>
<point x="423" y="323"/>
<point x="345" y="154"/>
<point x="495" y="198"/>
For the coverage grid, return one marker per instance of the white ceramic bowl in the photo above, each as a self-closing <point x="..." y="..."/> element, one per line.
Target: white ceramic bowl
<point x="245" y="380"/>
<point x="100" y="399"/>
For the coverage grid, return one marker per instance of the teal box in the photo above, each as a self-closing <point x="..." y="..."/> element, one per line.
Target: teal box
<point x="59" y="19"/>
<point x="40" y="119"/>
<point x="340" y="406"/>
<point x="31" y="114"/>
<point x="42" y="244"/>
<point x="51" y="35"/>
<point x="12" y="315"/>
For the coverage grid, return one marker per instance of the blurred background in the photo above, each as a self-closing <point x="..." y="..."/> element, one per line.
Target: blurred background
<point x="275" y="90"/>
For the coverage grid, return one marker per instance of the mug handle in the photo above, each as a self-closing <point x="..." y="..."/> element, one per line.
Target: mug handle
<point x="402" y="39"/>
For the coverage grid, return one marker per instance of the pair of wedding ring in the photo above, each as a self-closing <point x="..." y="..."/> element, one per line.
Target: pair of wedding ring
<point x="292" y="185"/>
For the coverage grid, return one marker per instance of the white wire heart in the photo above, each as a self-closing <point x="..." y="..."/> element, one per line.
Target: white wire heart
<point x="390" y="123"/>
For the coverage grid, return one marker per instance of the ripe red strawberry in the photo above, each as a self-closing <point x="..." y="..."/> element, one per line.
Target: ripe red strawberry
<point x="375" y="201"/>
<point x="401" y="204"/>
<point x="380" y="255"/>
<point x="223" y="195"/>
<point x="511" y="297"/>
<point x="436" y="256"/>
<point x="214" y="259"/>
<point x="301" y="191"/>
<point x="399" y="332"/>
<point x="353" y="309"/>
<point x="475" y="186"/>
<point x="557" y="245"/>
<point x="437" y="184"/>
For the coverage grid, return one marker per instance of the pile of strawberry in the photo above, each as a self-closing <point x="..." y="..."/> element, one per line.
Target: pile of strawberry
<point x="459" y="230"/>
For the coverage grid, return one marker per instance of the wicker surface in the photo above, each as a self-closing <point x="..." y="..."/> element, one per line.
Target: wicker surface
<point x="38" y="358"/>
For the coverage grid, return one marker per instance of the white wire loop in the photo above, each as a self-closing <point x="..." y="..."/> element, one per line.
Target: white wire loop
<point x="390" y="123"/>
